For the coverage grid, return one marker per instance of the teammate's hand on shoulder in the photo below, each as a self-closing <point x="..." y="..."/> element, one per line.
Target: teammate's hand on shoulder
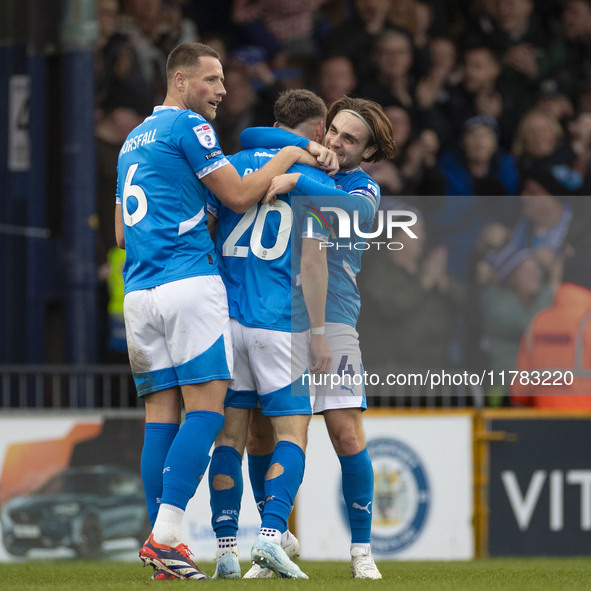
<point x="283" y="183"/>
<point x="321" y="355"/>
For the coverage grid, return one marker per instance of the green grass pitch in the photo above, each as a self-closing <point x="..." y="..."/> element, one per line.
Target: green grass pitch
<point x="539" y="574"/>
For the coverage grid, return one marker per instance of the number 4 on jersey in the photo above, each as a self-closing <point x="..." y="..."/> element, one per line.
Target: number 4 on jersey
<point x="349" y="371"/>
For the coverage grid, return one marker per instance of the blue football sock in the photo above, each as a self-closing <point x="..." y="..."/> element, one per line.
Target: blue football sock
<point x="189" y="455"/>
<point x="257" y="468"/>
<point x="357" y="478"/>
<point x="280" y="491"/>
<point x="225" y="504"/>
<point x="157" y="440"/>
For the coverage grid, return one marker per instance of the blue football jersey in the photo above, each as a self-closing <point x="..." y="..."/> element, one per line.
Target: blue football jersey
<point x="343" y="302"/>
<point x="259" y="252"/>
<point x="162" y="199"/>
<point x="344" y="255"/>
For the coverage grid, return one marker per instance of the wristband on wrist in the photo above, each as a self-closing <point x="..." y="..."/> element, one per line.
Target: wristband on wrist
<point x="318" y="330"/>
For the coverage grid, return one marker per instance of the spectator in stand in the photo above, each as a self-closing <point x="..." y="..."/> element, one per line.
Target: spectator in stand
<point x="539" y="140"/>
<point x="415" y="17"/>
<point x="336" y="78"/>
<point x="278" y="25"/>
<point x="219" y="43"/>
<point x="409" y="302"/>
<point x="294" y="71"/>
<point x="213" y="18"/>
<point x="392" y="79"/>
<point x="483" y="91"/>
<point x="356" y="36"/>
<point x="177" y="29"/>
<point x="507" y="306"/>
<point x="239" y="109"/>
<point x="576" y="25"/>
<point x="480" y="18"/>
<point x="481" y="189"/>
<point x="403" y="15"/>
<point x="479" y="166"/>
<point x="141" y="66"/>
<point x="107" y="46"/>
<point x="548" y="225"/>
<point x="580" y="133"/>
<point x="555" y="104"/>
<point x="433" y="87"/>
<point x="531" y="52"/>
<point x="559" y="341"/>
<point x="413" y="171"/>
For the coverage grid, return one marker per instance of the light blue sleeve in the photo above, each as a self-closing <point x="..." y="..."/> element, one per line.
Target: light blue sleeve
<point x="271" y="137"/>
<point x="318" y="195"/>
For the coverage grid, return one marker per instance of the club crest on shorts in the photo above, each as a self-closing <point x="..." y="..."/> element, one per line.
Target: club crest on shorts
<point x="401" y="495"/>
<point x="205" y="135"/>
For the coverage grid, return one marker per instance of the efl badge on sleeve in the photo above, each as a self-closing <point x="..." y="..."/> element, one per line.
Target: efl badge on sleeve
<point x="205" y="135"/>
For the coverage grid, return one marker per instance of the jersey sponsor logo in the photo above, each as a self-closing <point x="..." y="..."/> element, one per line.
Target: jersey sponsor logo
<point x="205" y="135"/>
<point x="213" y="154"/>
<point x="401" y="495"/>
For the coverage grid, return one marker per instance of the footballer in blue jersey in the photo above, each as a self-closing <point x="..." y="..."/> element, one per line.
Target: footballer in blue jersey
<point x="343" y="303"/>
<point x="162" y="199"/>
<point x="175" y="306"/>
<point x="357" y="131"/>
<point x="257" y="251"/>
<point x="260" y="254"/>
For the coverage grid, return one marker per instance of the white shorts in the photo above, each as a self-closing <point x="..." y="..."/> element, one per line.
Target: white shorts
<point x="269" y="371"/>
<point x="347" y="370"/>
<point x="178" y="333"/>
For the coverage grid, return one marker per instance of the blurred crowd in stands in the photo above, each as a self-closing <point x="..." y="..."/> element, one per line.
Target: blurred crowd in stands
<point x="490" y="101"/>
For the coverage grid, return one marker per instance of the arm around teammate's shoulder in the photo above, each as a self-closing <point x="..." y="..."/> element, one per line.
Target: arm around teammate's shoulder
<point x="240" y="193"/>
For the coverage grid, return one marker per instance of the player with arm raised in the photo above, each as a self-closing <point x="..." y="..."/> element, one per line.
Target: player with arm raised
<point x="175" y="306"/>
<point x="357" y="130"/>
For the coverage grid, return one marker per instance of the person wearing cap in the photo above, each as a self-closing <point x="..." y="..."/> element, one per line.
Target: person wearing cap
<point x="555" y="355"/>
